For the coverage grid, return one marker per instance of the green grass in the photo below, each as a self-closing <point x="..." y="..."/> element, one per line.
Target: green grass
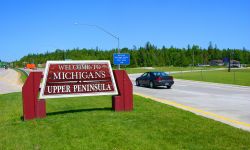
<point x="89" y="123"/>
<point x="238" y="77"/>
<point x="166" y="69"/>
<point x="23" y="75"/>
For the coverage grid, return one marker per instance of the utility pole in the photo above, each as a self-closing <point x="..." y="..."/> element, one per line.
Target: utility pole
<point x="193" y="58"/>
<point x="106" y="31"/>
<point x="229" y="62"/>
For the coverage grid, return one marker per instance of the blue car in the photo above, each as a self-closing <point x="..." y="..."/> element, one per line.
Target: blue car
<point x="154" y="79"/>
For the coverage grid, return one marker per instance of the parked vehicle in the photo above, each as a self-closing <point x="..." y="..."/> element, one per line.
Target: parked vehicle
<point x="154" y="79"/>
<point x="6" y="67"/>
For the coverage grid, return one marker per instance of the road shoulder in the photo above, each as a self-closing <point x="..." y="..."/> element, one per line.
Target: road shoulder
<point x="226" y="120"/>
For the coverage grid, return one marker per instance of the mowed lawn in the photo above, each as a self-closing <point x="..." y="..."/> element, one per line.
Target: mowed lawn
<point x="23" y="76"/>
<point x="238" y="77"/>
<point x="165" y="69"/>
<point x="89" y="123"/>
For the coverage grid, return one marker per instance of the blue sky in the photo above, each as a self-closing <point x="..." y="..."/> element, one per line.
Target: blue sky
<point x="32" y="26"/>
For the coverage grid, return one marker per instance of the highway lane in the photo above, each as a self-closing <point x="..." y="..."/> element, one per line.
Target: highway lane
<point x="9" y="81"/>
<point x="229" y="101"/>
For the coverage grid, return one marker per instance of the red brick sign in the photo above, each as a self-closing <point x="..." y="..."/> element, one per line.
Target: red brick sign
<point x="77" y="78"/>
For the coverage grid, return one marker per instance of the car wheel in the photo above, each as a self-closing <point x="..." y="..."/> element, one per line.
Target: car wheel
<point x="168" y="87"/>
<point x="151" y="84"/>
<point x="137" y="83"/>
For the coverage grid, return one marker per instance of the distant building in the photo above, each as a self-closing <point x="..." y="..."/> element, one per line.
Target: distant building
<point x="41" y="65"/>
<point x="235" y="63"/>
<point x="217" y="62"/>
<point x="203" y="65"/>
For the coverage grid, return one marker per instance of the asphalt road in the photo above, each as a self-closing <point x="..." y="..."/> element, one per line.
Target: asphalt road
<point x="9" y="81"/>
<point x="227" y="103"/>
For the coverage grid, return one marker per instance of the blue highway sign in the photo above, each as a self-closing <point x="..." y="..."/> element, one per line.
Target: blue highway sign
<point x="121" y="59"/>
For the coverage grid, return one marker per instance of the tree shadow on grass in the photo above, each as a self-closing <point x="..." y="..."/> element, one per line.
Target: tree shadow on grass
<point x="79" y="110"/>
<point x="75" y="111"/>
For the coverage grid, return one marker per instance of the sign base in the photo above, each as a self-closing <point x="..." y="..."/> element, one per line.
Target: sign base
<point x="32" y="106"/>
<point x="124" y="101"/>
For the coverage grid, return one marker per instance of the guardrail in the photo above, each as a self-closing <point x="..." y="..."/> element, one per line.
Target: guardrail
<point x="23" y="71"/>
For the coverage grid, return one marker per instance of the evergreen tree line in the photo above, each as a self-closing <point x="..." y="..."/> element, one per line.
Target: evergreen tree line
<point x="149" y="55"/>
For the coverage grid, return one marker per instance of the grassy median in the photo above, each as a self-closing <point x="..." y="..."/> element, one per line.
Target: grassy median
<point x="23" y="76"/>
<point x="166" y="69"/>
<point x="236" y="76"/>
<point x="89" y="123"/>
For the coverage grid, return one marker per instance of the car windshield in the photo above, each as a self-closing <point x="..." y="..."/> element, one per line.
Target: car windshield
<point x="160" y="74"/>
<point x="144" y="75"/>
